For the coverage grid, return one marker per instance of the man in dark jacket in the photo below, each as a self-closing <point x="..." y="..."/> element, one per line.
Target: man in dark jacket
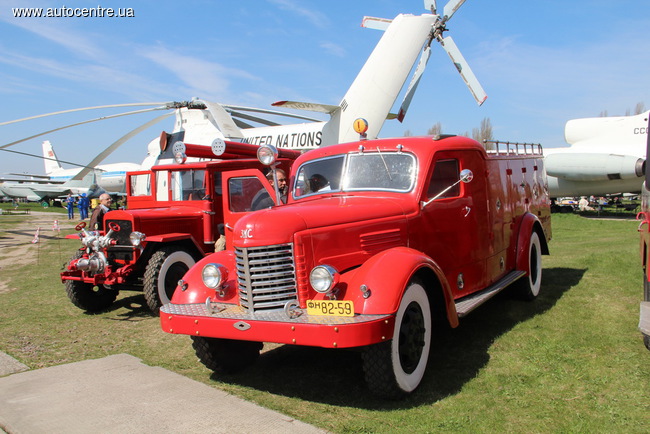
<point x="97" y="219"/>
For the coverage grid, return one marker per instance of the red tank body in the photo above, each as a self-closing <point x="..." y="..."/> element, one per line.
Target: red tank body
<point x="376" y="239"/>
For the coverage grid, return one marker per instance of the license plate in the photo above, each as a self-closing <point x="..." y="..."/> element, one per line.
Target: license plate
<point x="330" y="307"/>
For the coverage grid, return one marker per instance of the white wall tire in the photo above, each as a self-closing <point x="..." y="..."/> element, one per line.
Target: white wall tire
<point x="164" y="269"/>
<point x="396" y="368"/>
<point x="531" y="284"/>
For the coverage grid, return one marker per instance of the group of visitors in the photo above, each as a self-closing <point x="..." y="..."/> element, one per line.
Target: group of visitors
<point x="83" y="204"/>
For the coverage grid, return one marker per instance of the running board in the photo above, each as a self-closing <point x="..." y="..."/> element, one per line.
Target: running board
<point x="467" y="304"/>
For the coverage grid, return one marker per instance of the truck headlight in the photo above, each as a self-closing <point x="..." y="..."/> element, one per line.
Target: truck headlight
<point x="214" y="275"/>
<point x="323" y="278"/>
<point x="267" y="154"/>
<point x="136" y="238"/>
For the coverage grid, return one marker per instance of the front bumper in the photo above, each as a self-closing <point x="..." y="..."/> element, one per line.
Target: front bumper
<point x="233" y="322"/>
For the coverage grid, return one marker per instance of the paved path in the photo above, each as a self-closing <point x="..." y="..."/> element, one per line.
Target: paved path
<point x="120" y="394"/>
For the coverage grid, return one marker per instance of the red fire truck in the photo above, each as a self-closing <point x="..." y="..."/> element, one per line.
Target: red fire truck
<point x="172" y="220"/>
<point x="378" y="239"/>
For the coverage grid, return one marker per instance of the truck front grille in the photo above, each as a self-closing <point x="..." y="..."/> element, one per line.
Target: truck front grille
<point x="266" y="277"/>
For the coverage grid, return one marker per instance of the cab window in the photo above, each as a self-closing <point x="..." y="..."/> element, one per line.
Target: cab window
<point x="445" y="173"/>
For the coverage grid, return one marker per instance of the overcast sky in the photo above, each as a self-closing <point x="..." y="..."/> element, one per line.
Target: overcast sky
<point x="540" y="62"/>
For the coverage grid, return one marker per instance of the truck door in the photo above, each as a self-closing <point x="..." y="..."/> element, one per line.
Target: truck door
<point x="244" y="191"/>
<point x="456" y="223"/>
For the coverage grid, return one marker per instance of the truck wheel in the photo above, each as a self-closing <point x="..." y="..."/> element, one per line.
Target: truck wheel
<point x="164" y="270"/>
<point x="226" y="356"/>
<point x="395" y="368"/>
<point x="86" y="296"/>
<point x="529" y="285"/>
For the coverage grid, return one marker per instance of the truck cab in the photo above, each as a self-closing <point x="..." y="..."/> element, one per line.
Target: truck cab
<point x="377" y="239"/>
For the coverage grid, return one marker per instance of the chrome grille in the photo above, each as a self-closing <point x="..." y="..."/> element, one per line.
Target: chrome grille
<point x="266" y="277"/>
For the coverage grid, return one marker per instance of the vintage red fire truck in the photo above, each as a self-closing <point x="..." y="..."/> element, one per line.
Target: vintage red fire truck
<point x="172" y="220"/>
<point x="378" y="239"/>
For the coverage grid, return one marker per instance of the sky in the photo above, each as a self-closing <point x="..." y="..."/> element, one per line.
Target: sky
<point x="541" y="63"/>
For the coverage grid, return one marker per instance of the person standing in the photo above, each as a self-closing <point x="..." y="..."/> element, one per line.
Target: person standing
<point x="83" y="206"/>
<point x="69" y="203"/>
<point x="97" y="218"/>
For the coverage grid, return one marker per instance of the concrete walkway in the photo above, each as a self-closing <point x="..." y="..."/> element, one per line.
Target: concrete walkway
<point x="120" y="394"/>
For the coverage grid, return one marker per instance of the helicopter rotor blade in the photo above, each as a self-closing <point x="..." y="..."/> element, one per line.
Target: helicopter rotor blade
<point x="84" y="122"/>
<point x="223" y="120"/>
<point x="414" y="83"/>
<point x="83" y="109"/>
<point x="463" y="68"/>
<point x="450" y="9"/>
<point x="106" y="152"/>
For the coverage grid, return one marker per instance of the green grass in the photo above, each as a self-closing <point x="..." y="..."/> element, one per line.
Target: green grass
<point x="572" y="361"/>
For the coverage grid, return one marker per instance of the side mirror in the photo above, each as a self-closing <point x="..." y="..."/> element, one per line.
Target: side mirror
<point x="466" y="176"/>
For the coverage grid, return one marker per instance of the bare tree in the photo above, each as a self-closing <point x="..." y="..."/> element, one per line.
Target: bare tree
<point x="640" y="108"/>
<point x="603" y="114"/>
<point x="435" y="130"/>
<point x="407" y="133"/>
<point x="484" y="132"/>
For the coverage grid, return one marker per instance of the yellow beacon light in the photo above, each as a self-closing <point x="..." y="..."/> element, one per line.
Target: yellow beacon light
<point x="361" y="126"/>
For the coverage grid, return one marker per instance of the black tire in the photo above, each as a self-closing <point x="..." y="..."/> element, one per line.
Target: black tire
<point x="395" y="368"/>
<point x="528" y="287"/>
<point x="226" y="356"/>
<point x="164" y="270"/>
<point x="87" y="296"/>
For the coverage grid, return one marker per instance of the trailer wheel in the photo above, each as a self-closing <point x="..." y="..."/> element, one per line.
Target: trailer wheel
<point x="226" y="356"/>
<point x="529" y="285"/>
<point x="395" y="368"/>
<point x="86" y="296"/>
<point x="162" y="274"/>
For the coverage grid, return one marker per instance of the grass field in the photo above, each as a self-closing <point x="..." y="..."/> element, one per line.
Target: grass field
<point x="572" y="361"/>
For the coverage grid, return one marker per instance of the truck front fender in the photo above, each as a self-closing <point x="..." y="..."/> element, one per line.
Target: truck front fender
<point x="386" y="276"/>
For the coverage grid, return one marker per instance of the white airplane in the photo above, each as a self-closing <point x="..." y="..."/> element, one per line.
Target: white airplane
<point x="58" y="181"/>
<point x="607" y="156"/>
<point x="371" y="97"/>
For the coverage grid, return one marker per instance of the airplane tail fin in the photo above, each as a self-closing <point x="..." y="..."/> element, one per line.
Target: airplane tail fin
<point x="50" y="159"/>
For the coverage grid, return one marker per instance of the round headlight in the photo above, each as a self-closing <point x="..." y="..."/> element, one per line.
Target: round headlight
<point x="214" y="275"/>
<point x="267" y="154"/>
<point x="136" y="238"/>
<point x="323" y="278"/>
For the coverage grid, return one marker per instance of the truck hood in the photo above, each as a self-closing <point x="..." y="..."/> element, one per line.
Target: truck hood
<point x="277" y="225"/>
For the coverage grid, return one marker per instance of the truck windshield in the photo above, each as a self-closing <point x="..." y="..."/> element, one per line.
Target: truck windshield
<point x="388" y="171"/>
